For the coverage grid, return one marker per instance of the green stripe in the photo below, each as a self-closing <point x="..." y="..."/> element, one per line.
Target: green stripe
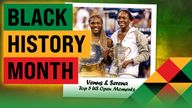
<point x="29" y="15"/>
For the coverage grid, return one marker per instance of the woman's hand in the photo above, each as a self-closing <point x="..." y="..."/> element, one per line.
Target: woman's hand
<point x="105" y="53"/>
<point x="127" y="62"/>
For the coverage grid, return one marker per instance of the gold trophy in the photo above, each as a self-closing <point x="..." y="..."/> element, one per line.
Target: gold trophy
<point x="89" y="67"/>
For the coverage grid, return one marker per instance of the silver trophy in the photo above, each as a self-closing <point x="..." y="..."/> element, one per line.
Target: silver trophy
<point x="120" y="55"/>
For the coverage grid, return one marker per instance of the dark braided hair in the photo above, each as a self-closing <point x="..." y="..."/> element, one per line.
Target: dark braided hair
<point x="128" y="13"/>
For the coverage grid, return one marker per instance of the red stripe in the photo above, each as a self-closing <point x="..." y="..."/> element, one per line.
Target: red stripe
<point x="50" y="79"/>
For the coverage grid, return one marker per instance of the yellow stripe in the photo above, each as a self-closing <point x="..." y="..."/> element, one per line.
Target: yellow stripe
<point x="85" y="45"/>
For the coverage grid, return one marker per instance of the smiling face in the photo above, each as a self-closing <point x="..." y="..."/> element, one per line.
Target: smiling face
<point x="95" y="24"/>
<point x="123" y="20"/>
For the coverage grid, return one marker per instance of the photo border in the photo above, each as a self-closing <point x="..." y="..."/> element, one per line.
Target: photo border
<point x="69" y="89"/>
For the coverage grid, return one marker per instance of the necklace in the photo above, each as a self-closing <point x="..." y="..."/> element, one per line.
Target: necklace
<point x="121" y="35"/>
<point x="96" y="39"/>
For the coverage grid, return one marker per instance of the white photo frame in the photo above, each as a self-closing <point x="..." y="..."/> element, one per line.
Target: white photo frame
<point x="83" y="89"/>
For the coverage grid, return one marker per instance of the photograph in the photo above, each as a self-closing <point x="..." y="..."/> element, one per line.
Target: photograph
<point x="121" y="40"/>
<point x="122" y="49"/>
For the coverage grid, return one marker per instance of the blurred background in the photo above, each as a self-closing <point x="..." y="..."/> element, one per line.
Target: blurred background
<point x="142" y="18"/>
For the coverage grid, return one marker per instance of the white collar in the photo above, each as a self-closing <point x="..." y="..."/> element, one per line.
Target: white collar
<point x="132" y="29"/>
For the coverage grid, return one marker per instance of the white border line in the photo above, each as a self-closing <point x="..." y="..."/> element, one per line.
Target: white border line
<point x="153" y="39"/>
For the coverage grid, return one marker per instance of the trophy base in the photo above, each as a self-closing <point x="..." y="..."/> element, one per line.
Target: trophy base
<point x="91" y="71"/>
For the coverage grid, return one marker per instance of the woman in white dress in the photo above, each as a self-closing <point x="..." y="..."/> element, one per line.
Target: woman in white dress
<point x="134" y="45"/>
